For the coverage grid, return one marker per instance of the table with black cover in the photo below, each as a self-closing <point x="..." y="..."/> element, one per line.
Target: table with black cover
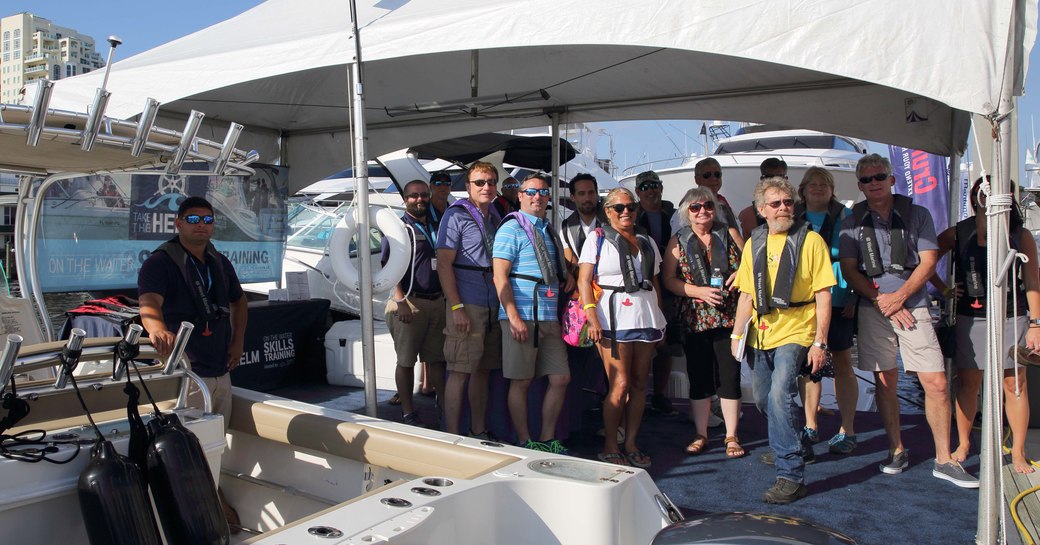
<point x="284" y="344"/>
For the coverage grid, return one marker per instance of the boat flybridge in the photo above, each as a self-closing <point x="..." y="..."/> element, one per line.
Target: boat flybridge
<point x="296" y="473"/>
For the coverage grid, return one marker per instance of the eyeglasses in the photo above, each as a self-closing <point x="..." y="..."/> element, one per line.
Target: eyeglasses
<point x="708" y="206"/>
<point x="879" y="177"/>
<point x="619" y="208"/>
<point x="195" y="218"/>
<point x="531" y="192"/>
<point x="709" y="175"/>
<point x="482" y="183"/>
<point x="442" y="183"/>
<point x="650" y="185"/>
<point x="417" y="196"/>
<point x="776" y="204"/>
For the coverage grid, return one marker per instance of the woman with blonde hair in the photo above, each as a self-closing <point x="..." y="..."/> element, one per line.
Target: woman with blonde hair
<point x="624" y="319"/>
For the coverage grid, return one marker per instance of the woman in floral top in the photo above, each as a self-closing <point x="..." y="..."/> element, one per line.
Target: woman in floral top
<point x="700" y="250"/>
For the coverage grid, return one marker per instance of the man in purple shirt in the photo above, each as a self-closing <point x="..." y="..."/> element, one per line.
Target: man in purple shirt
<point x="415" y="311"/>
<point x="473" y="344"/>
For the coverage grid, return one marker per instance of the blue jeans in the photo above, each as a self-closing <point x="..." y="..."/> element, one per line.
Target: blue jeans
<point x="775" y="383"/>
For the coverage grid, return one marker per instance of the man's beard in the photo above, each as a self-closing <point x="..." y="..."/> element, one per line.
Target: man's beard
<point x="587" y="208"/>
<point x="416" y="212"/>
<point x="780" y="225"/>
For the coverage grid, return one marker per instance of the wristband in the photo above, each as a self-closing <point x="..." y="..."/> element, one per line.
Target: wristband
<point x="457" y="307"/>
<point x="588" y="306"/>
<point x="734" y="336"/>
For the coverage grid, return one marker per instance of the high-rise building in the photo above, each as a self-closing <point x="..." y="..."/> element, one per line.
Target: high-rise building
<point x="33" y="48"/>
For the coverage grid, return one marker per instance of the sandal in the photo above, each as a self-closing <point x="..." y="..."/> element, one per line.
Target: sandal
<point x="613" y="458"/>
<point x="697" y="445"/>
<point x="396" y="400"/>
<point x="638" y="458"/>
<point x="735" y="450"/>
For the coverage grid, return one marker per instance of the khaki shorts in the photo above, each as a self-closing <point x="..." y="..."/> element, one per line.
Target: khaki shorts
<point x="480" y="349"/>
<point x="220" y="393"/>
<point x="423" y="337"/>
<point x="521" y="360"/>
<point x="879" y="340"/>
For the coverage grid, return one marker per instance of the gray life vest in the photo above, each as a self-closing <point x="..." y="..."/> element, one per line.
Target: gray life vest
<point x="778" y="295"/>
<point x="873" y="265"/>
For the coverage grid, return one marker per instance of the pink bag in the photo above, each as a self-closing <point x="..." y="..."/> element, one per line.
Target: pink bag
<point x="573" y="324"/>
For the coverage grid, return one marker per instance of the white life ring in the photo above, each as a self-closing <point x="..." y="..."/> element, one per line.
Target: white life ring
<point x="393" y="229"/>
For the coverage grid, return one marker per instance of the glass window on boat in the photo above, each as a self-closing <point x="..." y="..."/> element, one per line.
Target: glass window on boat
<point x="312" y="226"/>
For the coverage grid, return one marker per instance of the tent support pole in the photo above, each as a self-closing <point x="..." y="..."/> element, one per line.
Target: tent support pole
<point x="554" y="183"/>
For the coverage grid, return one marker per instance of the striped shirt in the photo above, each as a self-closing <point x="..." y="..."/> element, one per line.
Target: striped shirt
<point x="512" y="244"/>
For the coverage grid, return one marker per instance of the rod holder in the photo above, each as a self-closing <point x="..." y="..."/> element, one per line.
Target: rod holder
<point x="70" y="357"/>
<point x="191" y="129"/>
<point x="144" y="126"/>
<point x="234" y="131"/>
<point x="38" y="119"/>
<point x="95" y="119"/>
<point x="132" y="337"/>
<point x="10" y="354"/>
<point x="179" y="344"/>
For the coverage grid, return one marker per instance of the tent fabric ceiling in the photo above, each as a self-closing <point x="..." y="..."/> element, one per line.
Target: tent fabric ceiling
<point x="532" y="152"/>
<point x="866" y="69"/>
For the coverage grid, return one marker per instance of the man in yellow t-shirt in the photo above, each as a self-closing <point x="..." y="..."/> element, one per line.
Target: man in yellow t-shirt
<point x="784" y="278"/>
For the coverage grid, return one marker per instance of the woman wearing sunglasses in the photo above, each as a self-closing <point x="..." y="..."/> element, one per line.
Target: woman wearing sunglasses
<point x="700" y="263"/>
<point x="625" y="320"/>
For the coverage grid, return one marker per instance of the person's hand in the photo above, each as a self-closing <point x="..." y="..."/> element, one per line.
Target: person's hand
<point x="849" y="310"/>
<point x="817" y="358"/>
<point x="903" y="319"/>
<point x="1033" y="339"/>
<point x="234" y="356"/>
<point x="592" y="321"/>
<point x="461" y="320"/>
<point x="404" y="312"/>
<point x="729" y="281"/>
<point x="708" y="294"/>
<point x="889" y="303"/>
<point x="163" y="341"/>
<point x="518" y="329"/>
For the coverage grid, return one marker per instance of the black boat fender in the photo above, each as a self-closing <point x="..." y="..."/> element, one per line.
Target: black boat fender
<point x="114" y="500"/>
<point x="182" y="486"/>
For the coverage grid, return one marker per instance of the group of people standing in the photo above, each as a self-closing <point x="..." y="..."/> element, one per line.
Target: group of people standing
<point x="788" y="285"/>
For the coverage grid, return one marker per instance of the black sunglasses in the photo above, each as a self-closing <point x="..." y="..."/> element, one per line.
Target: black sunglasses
<point x="707" y="175"/>
<point x="776" y="204"/>
<point x="417" y="196"/>
<point x="650" y="185"/>
<point x="619" y="208"/>
<point x="879" y="177"/>
<point x="482" y="183"/>
<point x="707" y="205"/>
<point x="195" y="218"/>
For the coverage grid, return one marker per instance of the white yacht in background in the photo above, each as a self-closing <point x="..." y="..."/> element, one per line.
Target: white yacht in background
<point x="741" y="154"/>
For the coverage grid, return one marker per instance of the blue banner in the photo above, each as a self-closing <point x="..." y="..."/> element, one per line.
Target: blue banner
<point x="95" y="231"/>
<point x="925" y="178"/>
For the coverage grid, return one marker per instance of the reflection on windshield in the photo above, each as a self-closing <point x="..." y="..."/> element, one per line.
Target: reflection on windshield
<point x="311" y="227"/>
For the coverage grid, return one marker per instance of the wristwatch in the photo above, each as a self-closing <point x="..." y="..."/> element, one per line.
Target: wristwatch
<point x="820" y="345"/>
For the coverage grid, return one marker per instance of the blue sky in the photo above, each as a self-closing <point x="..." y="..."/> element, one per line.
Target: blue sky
<point x="143" y="24"/>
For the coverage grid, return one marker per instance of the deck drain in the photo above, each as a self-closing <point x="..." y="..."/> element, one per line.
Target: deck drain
<point x="327" y="532"/>
<point x="438" y="481"/>
<point x="396" y="502"/>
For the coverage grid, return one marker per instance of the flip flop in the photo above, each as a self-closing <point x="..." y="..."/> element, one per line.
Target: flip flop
<point x="615" y="458"/>
<point x="638" y="458"/>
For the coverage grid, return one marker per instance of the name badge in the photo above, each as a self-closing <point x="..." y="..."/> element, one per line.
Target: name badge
<point x="433" y="263"/>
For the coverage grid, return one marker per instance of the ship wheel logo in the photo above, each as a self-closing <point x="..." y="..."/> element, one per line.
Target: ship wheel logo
<point x="170" y="183"/>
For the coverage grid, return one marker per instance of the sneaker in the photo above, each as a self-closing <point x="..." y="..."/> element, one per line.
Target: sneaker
<point x="842" y="443"/>
<point x="784" y="491"/>
<point x="535" y="445"/>
<point x="810" y="435"/>
<point x="769" y="458"/>
<point x="662" y="404"/>
<point x="485" y="435"/>
<point x="412" y="419"/>
<point x="895" y="463"/>
<point x="953" y="472"/>
<point x="556" y="447"/>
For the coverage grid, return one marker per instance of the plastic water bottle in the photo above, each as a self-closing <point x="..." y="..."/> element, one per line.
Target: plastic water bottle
<point x="716" y="278"/>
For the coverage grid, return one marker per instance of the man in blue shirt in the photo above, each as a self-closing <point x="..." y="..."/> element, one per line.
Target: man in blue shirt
<point x="529" y="274"/>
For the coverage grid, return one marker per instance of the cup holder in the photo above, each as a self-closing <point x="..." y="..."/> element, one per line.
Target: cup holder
<point x="423" y="491"/>
<point x="438" y="481"/>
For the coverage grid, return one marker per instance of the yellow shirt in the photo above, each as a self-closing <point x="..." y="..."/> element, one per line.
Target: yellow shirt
<point x="795" y="325"/>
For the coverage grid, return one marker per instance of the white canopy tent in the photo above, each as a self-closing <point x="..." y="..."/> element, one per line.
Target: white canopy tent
<point x="871" y="69"/>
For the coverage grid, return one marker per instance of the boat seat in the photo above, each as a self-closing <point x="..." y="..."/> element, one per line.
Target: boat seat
<point x="383" y="448"/>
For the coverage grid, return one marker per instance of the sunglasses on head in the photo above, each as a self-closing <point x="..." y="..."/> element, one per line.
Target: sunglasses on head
<point x="417" y="196"/>
<point x="776" y="204"/>
<point x="482" y="183"/>
<point x="650" y="185"/>
<point x="708" y="175"/>
<point x="706" y="205"/>
<point x="195" y="218"/>
<point x="441" y="183"/>
<point x="619" y="208"/>
<point x="879" y="177"/>
<point x="531" y="192"/>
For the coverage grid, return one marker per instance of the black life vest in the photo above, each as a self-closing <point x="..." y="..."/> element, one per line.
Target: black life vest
<point x="575" y="233"/>
<point x="720" y="240"/>
<point x="873" y="264"/>
<point x="831" y="223"/>
<point x="779" y="295"/>
<point x="207" y="308"/>
<point x="552" y="271"/>
<point x="971" y="259"/>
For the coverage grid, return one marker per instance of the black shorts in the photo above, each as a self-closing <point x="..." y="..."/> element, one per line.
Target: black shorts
<point x="839" y="336"/>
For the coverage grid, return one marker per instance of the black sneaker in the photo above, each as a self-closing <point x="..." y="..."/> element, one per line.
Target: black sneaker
<point x="661" y="404"/>
<point x="485" y="435"/>
<point x="769" y="458"/>
<point x="895" y="463"/>
<point x="412" y="419"/>
<point x="784" y="491"/>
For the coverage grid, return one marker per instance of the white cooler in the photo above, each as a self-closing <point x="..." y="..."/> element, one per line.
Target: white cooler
<point x="343" y="361"/>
